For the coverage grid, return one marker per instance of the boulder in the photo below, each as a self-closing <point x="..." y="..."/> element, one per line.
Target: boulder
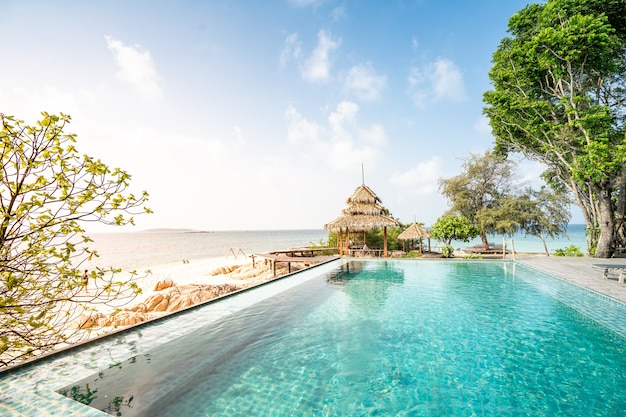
<point x="222" y="270"/>
<point x="140" y="308"/>
<point x="166" y="283"/>
<point x="88" y="320"/>
<point x="157" y="302"/>
<point x="127" y="318"/>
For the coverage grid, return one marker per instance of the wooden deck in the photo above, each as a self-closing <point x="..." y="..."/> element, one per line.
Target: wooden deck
<point x="279" y="256"/>
<point x="302" y="252"/>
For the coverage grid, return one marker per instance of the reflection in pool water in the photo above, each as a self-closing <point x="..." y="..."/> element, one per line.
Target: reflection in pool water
<point x="383" y="338"/>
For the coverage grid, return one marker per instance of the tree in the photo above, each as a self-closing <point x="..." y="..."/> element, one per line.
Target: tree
<point x="485" y="180"/>
<point x="449" y="227"/>
<point x="47" y="192"/>
<point x="538" y="213"/>
<point x="559" y="97"/>
<point x="486" y="193"/>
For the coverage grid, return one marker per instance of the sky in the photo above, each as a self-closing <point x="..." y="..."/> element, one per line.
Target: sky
<point x="263" y="115"/>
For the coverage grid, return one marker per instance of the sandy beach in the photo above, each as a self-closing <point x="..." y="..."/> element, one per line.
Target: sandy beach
<point x="167" y="288"/>
<point x="195" y="272"/>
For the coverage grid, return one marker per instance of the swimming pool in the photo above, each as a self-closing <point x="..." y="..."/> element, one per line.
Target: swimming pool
<point x="385" y="338"/>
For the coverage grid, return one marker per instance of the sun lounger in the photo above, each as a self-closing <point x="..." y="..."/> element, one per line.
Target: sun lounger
<point x="480" y="249"/>
<point x="611" y="268"/>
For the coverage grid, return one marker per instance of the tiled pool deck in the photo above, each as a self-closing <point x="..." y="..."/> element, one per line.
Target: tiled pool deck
<point x="31" y="390"/>
<point x="579" y="271"/>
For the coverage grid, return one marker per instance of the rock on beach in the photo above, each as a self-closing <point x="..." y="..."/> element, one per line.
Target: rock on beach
<point x="171" y="288"/>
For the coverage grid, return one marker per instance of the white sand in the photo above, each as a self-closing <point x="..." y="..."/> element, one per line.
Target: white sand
<point x="194" y="272"/>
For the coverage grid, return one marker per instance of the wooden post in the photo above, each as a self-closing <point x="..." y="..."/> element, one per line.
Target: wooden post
<point x="385" y="239"/>
<point x="340" y="243"/>
<point x="513" y="248"/>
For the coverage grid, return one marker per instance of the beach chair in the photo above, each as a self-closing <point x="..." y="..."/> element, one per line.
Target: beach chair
<point x="608" y="268"/>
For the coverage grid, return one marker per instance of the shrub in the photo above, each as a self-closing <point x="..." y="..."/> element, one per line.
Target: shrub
<point x="571" y="250"/>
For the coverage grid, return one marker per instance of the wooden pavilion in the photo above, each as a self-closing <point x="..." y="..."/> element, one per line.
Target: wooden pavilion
<point x="416" y="232"/>
<point x="363" y="212"/>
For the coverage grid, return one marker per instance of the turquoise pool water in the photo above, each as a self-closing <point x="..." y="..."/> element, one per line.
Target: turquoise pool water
<point x="383" y="338"/>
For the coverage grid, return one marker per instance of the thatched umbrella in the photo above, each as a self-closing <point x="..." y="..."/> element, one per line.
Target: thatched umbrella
<point x="362" y="213"/>
<point x="416" y="232"/>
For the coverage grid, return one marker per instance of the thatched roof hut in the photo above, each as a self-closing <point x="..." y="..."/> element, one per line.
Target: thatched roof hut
<point x="415" y="232"/>
<point x="362" y="213"/>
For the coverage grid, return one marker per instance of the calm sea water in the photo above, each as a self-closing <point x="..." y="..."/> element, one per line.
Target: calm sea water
<point x="139" y="250"/>
<point x="150" y="248"/>
<point x="575" y="236"/>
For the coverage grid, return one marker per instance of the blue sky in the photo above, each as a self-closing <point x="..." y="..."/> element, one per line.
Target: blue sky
<point x="248" y="115"/>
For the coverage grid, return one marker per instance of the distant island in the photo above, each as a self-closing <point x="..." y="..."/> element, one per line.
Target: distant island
<point x="167" y="230"/>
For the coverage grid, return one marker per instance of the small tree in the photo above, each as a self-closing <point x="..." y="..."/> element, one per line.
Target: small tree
<point x="487" y="194"/>
<point x="485" y="180"/>
<point x="448" y="228"/>
<point x="47" y="192"/>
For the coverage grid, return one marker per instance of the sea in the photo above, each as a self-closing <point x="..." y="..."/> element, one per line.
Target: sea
<point x="576" y="236"/>
<point x="147" y="249"/>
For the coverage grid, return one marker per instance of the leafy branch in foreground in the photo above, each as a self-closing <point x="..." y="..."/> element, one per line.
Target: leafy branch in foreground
<point x="48" y="191"/>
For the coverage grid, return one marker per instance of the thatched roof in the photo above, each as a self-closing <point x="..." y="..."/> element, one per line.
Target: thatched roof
<point x="362" y="208"/>
<point x="362" y="213"/>
<point x="414" y="232"/>
<point x="361" y="223"/>
<point x="363" y="195"/>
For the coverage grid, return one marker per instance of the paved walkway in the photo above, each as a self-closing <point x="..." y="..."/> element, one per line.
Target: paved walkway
<point x="579" y="271"/>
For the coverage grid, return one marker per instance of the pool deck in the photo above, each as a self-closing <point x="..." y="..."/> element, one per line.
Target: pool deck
<point x="579" y="271"/>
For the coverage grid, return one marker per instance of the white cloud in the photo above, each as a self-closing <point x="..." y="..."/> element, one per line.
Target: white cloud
<point x="422" y="179"/>
<point x="374" y="135"/>
<point x="291" y="49"/>
<point x="338" y="13"/>
<point x="482" y="126"/>
<point x="348" y="145"/>
<point x="317" y="67"/>
<point x="437" y="81"/>
<point x="136" y="67"/>
<point x="307" y="3"/>
<point x="530" y="172"/>
<point x="344" y="115"/>
<point x="363" y="81"/>
<point x="300" y="129"/>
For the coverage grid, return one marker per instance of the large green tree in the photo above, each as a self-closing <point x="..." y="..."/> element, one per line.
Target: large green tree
<point x="48" y="191"/>
<point x="559" y="96"/>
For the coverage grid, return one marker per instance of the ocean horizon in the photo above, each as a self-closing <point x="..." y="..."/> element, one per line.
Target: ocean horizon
<point x="153" y="247"/>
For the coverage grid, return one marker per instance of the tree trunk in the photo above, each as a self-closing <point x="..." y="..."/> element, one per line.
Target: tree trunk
<point x="545" y="247"/>
<point x="483" y="237"/>
<point x="620" y="230"/>
<point x="606" y="222"/>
